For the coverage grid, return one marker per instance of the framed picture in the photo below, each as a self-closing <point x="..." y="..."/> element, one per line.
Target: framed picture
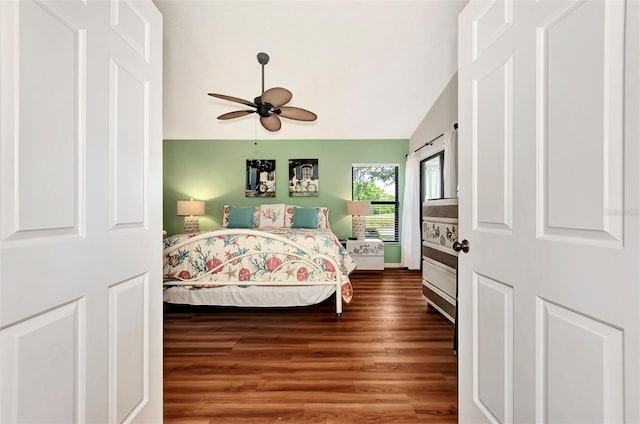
<point x="303" y="178"/>
<point x="261" y="178"/>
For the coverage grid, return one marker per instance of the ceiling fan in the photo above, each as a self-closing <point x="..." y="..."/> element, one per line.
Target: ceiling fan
<point x="270" y="105"/>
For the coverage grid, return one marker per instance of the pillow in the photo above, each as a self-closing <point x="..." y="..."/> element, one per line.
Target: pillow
<point x="305" y="218"/>
<point x="225" y="216"/>
<point x="271" y="215"/>
<point x="323" y="216"/>
<point x="240" y="217"/>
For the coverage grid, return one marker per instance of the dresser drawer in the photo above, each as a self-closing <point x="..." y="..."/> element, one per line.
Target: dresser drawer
<point x="440" y="301"/>
<point x="438" y="276"/>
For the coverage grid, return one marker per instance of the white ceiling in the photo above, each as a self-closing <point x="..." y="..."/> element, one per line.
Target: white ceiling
<point x="368" y="69"/>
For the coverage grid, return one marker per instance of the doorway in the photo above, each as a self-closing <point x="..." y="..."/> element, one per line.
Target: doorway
<point x="431" y="177"/>
<point x="431" y="183"/>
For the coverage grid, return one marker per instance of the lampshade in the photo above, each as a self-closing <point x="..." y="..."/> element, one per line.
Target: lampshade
<point x="359" y="207"/>
<point x="190" y="207"/>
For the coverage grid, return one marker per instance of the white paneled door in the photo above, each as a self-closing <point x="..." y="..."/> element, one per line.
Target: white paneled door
<point x="80" y="220"/>
<point x="549" y="292"/>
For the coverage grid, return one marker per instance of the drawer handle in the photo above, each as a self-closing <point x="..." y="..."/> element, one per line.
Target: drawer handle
<point x="464" y="246"/>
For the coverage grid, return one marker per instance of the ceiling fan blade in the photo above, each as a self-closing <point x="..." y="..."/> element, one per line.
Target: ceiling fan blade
<point x="277" y="96"/>
<point x="235" y="114"/>
<point x="271" y="122"/>
<point x="297" y="113"/>
<point x="233" y="99"/>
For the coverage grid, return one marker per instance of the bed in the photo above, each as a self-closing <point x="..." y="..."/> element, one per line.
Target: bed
<point x="274" y="256"/>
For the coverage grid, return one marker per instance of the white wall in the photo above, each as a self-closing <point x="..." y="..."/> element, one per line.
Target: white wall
<point x="369" y="69"/>
<point x="440" y="118"/>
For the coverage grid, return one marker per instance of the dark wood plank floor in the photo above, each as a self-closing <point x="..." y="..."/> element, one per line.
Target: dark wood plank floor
<point x="386" y="360"/>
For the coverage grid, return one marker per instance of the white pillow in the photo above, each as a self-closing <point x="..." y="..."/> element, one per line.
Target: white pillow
<point x="271" y="215"/>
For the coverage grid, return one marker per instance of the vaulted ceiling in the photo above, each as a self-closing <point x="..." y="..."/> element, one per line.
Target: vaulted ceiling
<point x="368" y="69"/>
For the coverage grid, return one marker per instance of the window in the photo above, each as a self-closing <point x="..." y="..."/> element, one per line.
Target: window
<point x="307" y="171"/>
<point x="379" y="184"/>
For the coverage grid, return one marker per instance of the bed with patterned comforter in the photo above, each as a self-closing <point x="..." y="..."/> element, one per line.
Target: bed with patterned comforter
<point x="248" y="267"/>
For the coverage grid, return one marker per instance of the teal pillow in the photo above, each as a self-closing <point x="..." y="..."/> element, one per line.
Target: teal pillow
<point x="240" y="217"/>
<point x="305" y="218"/>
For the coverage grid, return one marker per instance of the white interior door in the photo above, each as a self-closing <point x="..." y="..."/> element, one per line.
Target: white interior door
<point x="549" y="293"/>
<point x="80" y="235"/>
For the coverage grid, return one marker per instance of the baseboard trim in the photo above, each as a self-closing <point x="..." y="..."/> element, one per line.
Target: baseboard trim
<point x="392" y="265"/>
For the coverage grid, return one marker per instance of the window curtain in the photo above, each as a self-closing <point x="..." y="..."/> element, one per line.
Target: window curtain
<point x="450" y="164"/>
<point x="410" y="241"/>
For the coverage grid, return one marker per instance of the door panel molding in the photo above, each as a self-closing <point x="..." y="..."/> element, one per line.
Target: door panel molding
<point x="573" y="347"/>
<point x="589" y="140"/>
<point x="492" y="96"/>
<point x="491" y="24"/>
<point x="43" y="366"/>
<point x="128" y="147"/>
<point x="128" y="348"/>
<point x="127" y="21"/>
<point x="34" y="207"/>
<point x="493" y="348"/>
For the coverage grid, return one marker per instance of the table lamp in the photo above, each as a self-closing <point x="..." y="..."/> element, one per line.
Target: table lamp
<point x="358" y="209"/>
<point x="190" y="209"/>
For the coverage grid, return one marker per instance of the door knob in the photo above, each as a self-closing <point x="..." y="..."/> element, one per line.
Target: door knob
<point x="464" y="246"/>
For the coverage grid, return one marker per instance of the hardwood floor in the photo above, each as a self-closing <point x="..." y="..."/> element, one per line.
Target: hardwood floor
<point x="386" y="360"/>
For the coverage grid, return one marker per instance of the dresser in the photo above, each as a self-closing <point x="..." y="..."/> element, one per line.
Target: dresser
<point x="368" y="254"/>
<point x="439" y="260"/>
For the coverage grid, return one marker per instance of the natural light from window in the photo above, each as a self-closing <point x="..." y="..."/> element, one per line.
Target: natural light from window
<point x="378" y="183"/>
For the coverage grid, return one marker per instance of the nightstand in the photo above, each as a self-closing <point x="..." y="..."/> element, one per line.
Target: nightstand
<point x="368" y="254"/>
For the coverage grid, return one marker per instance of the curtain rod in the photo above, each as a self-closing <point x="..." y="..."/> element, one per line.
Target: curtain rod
<point x="430" y="142"/>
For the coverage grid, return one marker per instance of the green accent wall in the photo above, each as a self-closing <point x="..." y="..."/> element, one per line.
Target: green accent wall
<point x="214" y="171"/>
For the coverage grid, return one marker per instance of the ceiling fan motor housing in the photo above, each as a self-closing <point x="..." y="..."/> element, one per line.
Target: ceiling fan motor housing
<point x="263" y="109"/>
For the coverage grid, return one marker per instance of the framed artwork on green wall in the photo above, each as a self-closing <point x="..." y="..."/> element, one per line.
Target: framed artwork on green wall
<point x="303" y="178"/>
<point x="261" y="178"/>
